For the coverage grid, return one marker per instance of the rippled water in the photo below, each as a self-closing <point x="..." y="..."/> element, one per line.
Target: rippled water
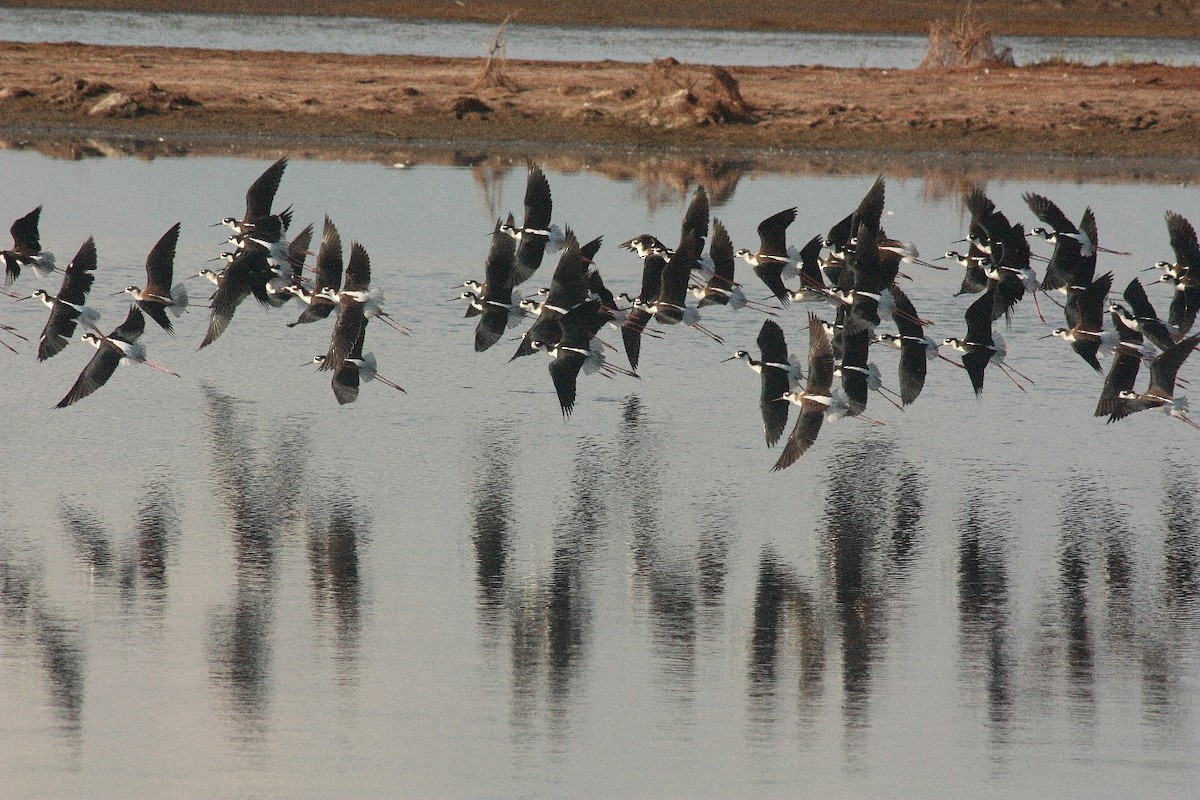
<point x="372" y="36"/>
<point x="223" y="584"/>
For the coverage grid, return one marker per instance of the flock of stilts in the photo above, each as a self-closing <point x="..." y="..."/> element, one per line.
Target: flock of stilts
<point x="855" y="279"/>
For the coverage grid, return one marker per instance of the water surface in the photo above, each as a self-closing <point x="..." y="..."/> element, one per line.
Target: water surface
<point x="373" y="36"/>
<point x="223" y="584"/>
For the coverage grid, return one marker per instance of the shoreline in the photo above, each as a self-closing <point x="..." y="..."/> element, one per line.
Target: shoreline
<point x="1149" y="18"/>
<point x="190" y="98"/>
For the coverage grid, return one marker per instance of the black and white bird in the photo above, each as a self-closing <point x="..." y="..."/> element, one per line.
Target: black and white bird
<point x="67" y="308"/>
<point x="1160" y="394"/>
<point x="778" y="374"/>
<point x="1073" y="262"/>
<point x="248" y="273"/>
<point x="351" y="307"/>
<point x="1085" y="309"/>
<point x="259" y="198"/>
<point x="916" y="349"/>
<point x="499" y="302"/>
<point x="536" y="236"/>
<point x="721" y="288"/>
<point x="328" y="279"/>
<point x="981" y="347"/>
<point x="27" y="249"/>
<point x="1059" y="228"/>
<point x="1139" y="315"/>
<point x="120" y="345"/>
<point x="356" y="369"/>
<point x="814" y="400"/>
<point x="159" y="296"/>
<point x="772" y="262"/>
<point x="671" y="307"/>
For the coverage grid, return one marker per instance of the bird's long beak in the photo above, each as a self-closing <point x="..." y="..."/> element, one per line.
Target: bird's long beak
<point x="26" y="297"/>
<point x="731" y="358"/>
<point x="114" y="294"/>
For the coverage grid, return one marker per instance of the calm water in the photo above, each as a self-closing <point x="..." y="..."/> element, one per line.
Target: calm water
<point x="225" y="585"/>
<point x="370" y="36"/>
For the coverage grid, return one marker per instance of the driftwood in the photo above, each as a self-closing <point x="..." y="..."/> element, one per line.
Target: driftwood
<point x="493" y="76"/>
<point x="964" y="42"/>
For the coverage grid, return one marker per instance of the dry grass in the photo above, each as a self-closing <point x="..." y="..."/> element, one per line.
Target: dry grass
<point x="964" y="42"/>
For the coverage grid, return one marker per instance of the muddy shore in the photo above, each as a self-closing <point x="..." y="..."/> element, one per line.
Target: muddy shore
<point x="385" y="105"/>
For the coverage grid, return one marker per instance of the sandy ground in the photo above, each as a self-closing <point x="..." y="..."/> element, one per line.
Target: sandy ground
<point x="188" y="98"/>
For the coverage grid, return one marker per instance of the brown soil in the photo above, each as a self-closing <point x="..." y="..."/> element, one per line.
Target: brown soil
<point x="386" y="104"/>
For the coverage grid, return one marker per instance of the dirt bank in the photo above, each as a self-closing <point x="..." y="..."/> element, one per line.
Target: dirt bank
<point x="72" y="91"/>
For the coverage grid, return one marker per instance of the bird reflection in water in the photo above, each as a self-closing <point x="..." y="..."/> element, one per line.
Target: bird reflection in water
<point x="1163" y="657"/>
<point x="90" y="542"/>
<point x="335" y="528"/>
<point x="552" y="614"/>
<point x="260" y="492"/>
<point x="1182" y="519"/>
<point x="856" y="521"/>
<point x="492" y="520"/>
<point x="31" y="621"/>
<point x="984" y="613"/>
<point x="785" y="613"/>
<point x="157" y="531"/>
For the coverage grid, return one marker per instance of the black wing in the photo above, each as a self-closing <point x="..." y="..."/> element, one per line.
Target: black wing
<point x="77" y="281"/>
<point x="1183" y="241"/>
<point x="538" y="208"/>
<point x="810" y="267"/>
<point x="26" y="241"/>
<point x="261" y="193"/>
<point x="329" y="259"/>
<point x="160" y="264"/>
<point x="772" y="232"/>
<point x="1048" y="213"/>
<point x="94" y="375"/>
<point x="695" y="220"/>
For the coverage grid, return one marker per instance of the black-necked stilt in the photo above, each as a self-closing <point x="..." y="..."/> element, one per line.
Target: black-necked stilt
<point x="67" y="309"/>
<point x="916" y="349"/>
<point x="812" y="280"/>
<point x="772" y="262"/>
<point x="536" y="235"/>
<point x="1005" y="251"/>
<point x="569" y="288"/>
<point x="859" y="376"/>
<point x="1060" y="228"/>
<point x="639" y="314"/>
<point x="778" y="374"/>
<point x="1185" y="303"/>
<point x="259" y="197"/>
<point x="328" y="279"/>
<point x="1073" y="262"/>
<point x="695" y="220"/>
<point x="814" y="400"/>
<point x="1161" y="392"/>
<point x="721" y="289"/>
<point x="1141" y="316"/>
<point x="355" y="370"/>
<point x="1128" y="355"/>
<point x="1183" y="244"/>
<point x="120" y="345"/>
<point x="671" y="307"/>
<point x="159" y="295"/>
<point x="575" y="351"/>
<point x="1085" y="309"/>
<point x="981" y="346"/>
<point x="351" y="307"/>
<point x="27" y="249"/>
<point x="498" y="303"/>
<point x="841" y="239"/>
<point x="246" y="274"/>
<point x="974" y="278"/>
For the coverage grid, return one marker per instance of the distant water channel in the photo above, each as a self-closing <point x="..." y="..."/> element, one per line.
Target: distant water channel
<point x="372" y="36"/>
